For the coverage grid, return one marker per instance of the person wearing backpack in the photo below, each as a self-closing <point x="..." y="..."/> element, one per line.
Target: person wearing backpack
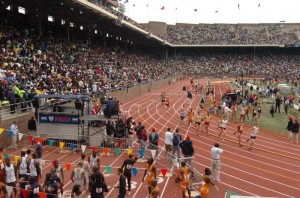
<point x="176" y="142"/>
<point x="153" y="141"/>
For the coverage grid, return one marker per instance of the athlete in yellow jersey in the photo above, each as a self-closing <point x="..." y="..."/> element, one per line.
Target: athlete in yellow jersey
<point x="150" y="173"/>
<point x="185" y="174"/>
<point x="206" y="122"/>
<point x="155" y="189"/>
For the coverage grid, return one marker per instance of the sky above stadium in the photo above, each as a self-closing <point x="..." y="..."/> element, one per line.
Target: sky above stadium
<point x="213" y="11"/>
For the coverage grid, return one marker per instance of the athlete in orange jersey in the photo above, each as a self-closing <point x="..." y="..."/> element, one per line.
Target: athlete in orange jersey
<point x="150" y="173"/>
<point x="155" y="189"/>
<point x="204" y="190"/>
<point x="190" y="117"/>
<point x="239" y="131"/>
<point x="185" y="174"/>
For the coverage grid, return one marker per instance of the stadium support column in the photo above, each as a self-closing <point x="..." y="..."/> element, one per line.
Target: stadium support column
<point x="89" y="37"/>
<point x="167" y="56"/>
<point x="40" y="27"/>
<point x="68" y="33"/>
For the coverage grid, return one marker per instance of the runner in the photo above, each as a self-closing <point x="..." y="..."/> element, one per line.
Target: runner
<point x="167" y="103"/>
<point x="34" y="168"/>
<point x="190" y="116"/>
<point x="10" y="175"/>
<point x="206" y="122"/>
<point x="150" y="174"/>
<point x="155" y="189"/>
<point x="182" y="115"/>
<point x="185" y="174"/>
<point x="252" y="138"/>
<point x="242" y="113"/>
<point x="222" y="127"/>
<point x="197" y="119"/>
<point x="59" y="171"/>
<point x="239" y="131"/>
<point x="78" y="175"/>
<point x="163" y="98"/>
<point x="233" y="113"/>
<point x="126" y="168"/>
<point x="94" y="160"/>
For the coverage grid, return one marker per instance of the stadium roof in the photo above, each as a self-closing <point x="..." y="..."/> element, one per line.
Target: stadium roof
<point x="82" y="12"/>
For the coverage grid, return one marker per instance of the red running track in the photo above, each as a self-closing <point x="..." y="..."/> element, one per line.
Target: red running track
<point x="271" y="169"/>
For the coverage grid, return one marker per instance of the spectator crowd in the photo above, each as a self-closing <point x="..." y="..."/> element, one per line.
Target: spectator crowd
<point x="232" y="34"/>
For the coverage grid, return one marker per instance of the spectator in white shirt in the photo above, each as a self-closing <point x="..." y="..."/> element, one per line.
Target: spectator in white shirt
<point x="14" y="130"/>
<point x="216" y="151"/>
<point x="227" y="111"/>
<point x="168" y="143"/>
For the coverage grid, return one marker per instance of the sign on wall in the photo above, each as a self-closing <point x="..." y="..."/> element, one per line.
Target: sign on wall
<point x="58" y="118"/>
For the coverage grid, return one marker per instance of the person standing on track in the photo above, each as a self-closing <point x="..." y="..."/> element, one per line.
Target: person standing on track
<point x="126" y="167"/>
<point x="149" y="174"/>
<point x="94" y="160"/>
<point x="216" y="152"/>
<point x="97" y="185"/>
<point x="10" y="175"/>
<point x="176" y="141"/>
<point x="122" y="184"/>
<point x="51" y="184"/>
<point x="185" y="175"/>
<point x="252" y="138"/>
<point x="78" y="175"/>
<point x="59" y="171"/>
<point x="239" y="131"/>
<point x="168" y="144"/>
<point x="207" y="119"/>
<point x="187" y="149"/>
<point x="35" y="168"/>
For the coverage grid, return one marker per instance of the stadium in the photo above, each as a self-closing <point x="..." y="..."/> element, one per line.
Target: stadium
<point x="95" y="102"/>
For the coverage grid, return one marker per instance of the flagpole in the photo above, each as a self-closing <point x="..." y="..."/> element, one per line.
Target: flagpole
<point x="259" y="13"/>
<point x="176" y="14"/>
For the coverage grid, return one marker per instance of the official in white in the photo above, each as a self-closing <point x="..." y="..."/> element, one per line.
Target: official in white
<point x="216" y="151"/>
<point x="14" y="130"/>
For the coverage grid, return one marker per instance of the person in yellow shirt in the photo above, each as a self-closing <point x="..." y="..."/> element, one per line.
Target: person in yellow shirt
<point x="206" y="122"/>
<point x="150" y="174"/>
<point x="185" y="175"/>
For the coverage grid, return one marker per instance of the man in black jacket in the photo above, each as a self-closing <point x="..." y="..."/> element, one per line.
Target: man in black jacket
<point x="122" y="184"/>
<point x="187" y="150"/>
<point x="97" y="184"/>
